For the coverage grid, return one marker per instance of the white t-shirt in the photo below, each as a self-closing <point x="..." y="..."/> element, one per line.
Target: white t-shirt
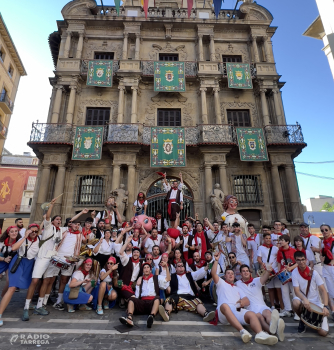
<point x="139" y="207"/>
<point x="227" y="294"/>
<point x="314" y="241"/>
<point x="150" y="243"/>
<point x="108" y="279"/>
<point x="157" y="261"/>
<point x="241" y="253"/>
<point x="313" y="294"/>
<point x="184" y="285"/>
<point x="105" y="248"/>
<point x="213" y="238"/>
<point x="285" y="232"/>
<point x="253" y="244"/>
<point x="228" y="244"/>
<point x="274" y="238"/>
<point x="33" y="248"/>
<point x="263" y="253"/>
<point x="148" y="288"/>
<point x="79" y="276"/>
<point x="112" y="214"/>
<point x="173" y="193"/>
<point x="253" y="291"/>
<point x="68" y="245"/>
<point x="50" y="244"/>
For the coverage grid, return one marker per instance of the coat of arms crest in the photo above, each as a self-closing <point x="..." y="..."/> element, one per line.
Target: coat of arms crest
<point x="88" y="142"/>
<point x="238" y="74"/>
<point x="169" y="75"/>
<point x="252" y="144"/>
<point x="99" y="72"/>
<point x="168" y="146"/>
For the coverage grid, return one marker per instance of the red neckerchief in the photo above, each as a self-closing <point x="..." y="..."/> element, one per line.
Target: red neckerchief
<point x="135" y="239"/>
<point x="176" y="261"/>
<point x="135" y="261"/>
<point x="270" y="245"/>
<point x="249" y="281"/>
<point x="86" y="233"/>
<point x="215" y="232"/>
<point x="252" y="238"/>
<point x="85" y="273"/>
<point x="57" y="228"/>
<point x="305" y="274"/>
<point x="156" y="257"/>
<point x="278" y="234"/>
<point x="154" y="239"/>
<point x="327" y="246"/>
<point x="302" y="250"/>
<point x="175" y="188"/>
<point x="29" y="239"/>
<point x="181" y="274"/>
<point x="203" y="243"/>
<point x="141" y="201"/>
<point x="148" y="277"/>
<point x="74" y="232"/>
<point x="7" y="242"/>
<point x="200" y="264"/>
<point x="185" y="235"/>
<point x="309" y="235"/>
<point x="232" y="284"/>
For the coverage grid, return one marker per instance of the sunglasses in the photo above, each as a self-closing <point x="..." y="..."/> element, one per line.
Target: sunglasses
<point x="34" y="231"/>
<point x="325" y="230"/>
<point x="110" y="263"/>
<point x="141" y="197"/>
<point x="148" y="259"/>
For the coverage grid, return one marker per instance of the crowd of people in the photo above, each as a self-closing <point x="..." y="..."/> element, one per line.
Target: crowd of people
<point x="108" y="262"/>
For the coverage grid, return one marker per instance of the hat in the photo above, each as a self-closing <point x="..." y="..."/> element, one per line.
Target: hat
<point x="303" y="224"/>
<point x="235" y="224"/>
<point x="146" y="263"/>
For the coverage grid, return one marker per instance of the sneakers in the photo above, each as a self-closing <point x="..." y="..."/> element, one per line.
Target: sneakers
<point x="301" y="327"/>
<point x="99" y="310"/>
<point x="84" y="307"/>
<point x="149" y="321"/>
<point x="245" y="336"/>
<point x="70" y="308"/>
<point x="209" y="316"/>
<point x="163" y="313"/>
<point x="106" y="304"/>
<point x="25" y="316"/>
<point x="280" y="330"/>
<point x="1" y="323"/>
<point x="265" y="338"/>
<point x="296" y="317"/>
<point x="274" y="321"/>
<point x="41" y="311"/>
<point x="273" y="308"/>
<point x="59" y="306"/>
<point x="285" y="313"/>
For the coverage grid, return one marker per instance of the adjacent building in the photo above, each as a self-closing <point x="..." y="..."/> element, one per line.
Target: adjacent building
<point x="208" y="109"/>
<point x="316" y="203"/>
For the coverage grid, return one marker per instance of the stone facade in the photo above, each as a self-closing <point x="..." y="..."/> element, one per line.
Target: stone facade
<point x="212" y="152"/>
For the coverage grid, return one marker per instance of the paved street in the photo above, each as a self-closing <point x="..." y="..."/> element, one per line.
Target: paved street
<point x="87" y="330"/>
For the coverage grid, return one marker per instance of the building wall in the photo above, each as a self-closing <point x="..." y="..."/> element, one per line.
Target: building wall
<point x="315" y="204"/>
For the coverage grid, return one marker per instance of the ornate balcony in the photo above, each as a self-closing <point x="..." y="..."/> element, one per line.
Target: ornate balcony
<point x="223" y="71"/>
<point x="213" y="133"/>
<point x="284" y="134"/>
<point x="52" y="133"/>
<point x="3" y="131"/>
<point x="6" y="104"/>
<point x="190" y="68"/>
<point x="84" y="67"/>
<point x="123" y="133"/>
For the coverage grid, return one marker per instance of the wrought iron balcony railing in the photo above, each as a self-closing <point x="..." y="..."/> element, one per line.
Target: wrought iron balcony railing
<point x="124" y="133"/>
<point x="190" y="68"/>
<point x="223" y="71"/>
<point x="84" y="66"/>
<point x="284" y="134"/>
<point x="54" y="133"/>
<point x="6" y="102"/>
<point x="213" y="133"/>
<point x="3" y="131"/>
<point x="22" y="209"/>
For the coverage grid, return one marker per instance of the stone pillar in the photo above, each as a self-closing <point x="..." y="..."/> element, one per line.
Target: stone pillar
<point x="131" y="189"/>
<point x="255" y="49"/>
<point x="120" y="104"/>
<point x="212" y="48"/>
<point x="266" y="48"/>
<point x="217" y="106"/>
<point x="208" y="190"/>
<point x="137" y="47"/>
<point x="62" y="46"/>
<point x="278" y="194"/>
<point x="293" y="192"/>
<point x="57" y="104"/>
<point x="223" y="178"/>
<point x="125" y="47"/>
<point x="265" y="112"/>
<point x="134" y="104"/>
<point x="278" y="111"/>
<point x="204" y="107"/>
<point x="200" y="47"/>
<point x="59" y="187"/>
<point x="67" y="45"/>
<point x="116" y="176"/>
<point x="71" y="104"/>
<point x="80" y="46"/>
<point x="44" y="184"/>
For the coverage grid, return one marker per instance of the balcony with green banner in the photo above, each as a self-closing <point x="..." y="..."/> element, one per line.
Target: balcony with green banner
<point x="100" y="73"/>
<point x="169" y="76"/>
<point x="239" y="76"/>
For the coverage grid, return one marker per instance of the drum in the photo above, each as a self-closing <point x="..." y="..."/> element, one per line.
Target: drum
<point x="260" y="273"/>
<point x="312" y="318"/>
<point x="212" y="289"/>
<point x="284" y="276"/>
<point x="60" y="263"/>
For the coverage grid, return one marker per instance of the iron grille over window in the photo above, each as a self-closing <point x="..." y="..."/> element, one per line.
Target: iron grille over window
<point x="103" y="55"/>
<point x="168" y="57"/>
<point x="97" y="116"/>
<point x="247" y="188"/>
<point x="90" y="190"/>
<point x="232" y="58"/>
<point x="169" y="117"/>
<point x="238" y="117"/>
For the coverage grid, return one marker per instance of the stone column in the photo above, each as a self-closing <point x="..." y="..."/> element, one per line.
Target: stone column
<point x="80" y="46"/>
<point x="208" y="189"/>
<point x="137" y="47"/>
<point x="217" y="106"/>
<point x="278" y="110"/>
<point x="223" y="178"/>
<point x="71" y="105"/>
<point x="67" y="45"/>
<point x="266" y="48"/>
<point x="293" y="192"/>
<point x="212" y="48"/>
<point x="278" y="194"/>
<point x="125" y="47"/>
<point x="200" y="47"/>
<point x="265" y="112"/>
<point x="134" y="104"/>
<point x="131" y="188"/>
<point x="116" y="176"/>
<point x="44" y="184"/>
<point x="255" y="49"/>
<point x="120" y="104"/>
<point x="57" y="104"/>
<point x="59" y="187"/>
<point x="204" y="107"/>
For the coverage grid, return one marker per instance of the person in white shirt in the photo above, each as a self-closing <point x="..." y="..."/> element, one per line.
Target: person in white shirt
<point x="309" y="288"/>
<point x="213" y="233"/>
<point x="111" y="214"/>
<point x="103" y="249"/>
<point x="285" y="231"/>
<point x="226" y="237"/>
<point x="19" y="224"/>
<point x="140" y="205"/>
<point x="230" y="308"/>
<point x="277" y="233"/>
<point x="299" y="245"/>
<point x="162" y="224"/>
<point x="239" y="244"/>
<point x="253" y="243"/>
<point x="252" y="289"/>
<point x="153" y="240"/>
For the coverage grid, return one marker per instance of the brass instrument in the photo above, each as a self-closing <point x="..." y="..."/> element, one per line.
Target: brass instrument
<point x="85" y="250"/>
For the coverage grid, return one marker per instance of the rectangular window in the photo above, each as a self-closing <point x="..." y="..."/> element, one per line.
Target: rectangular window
<point x="247" y="188"/>
<point x="238" y="117"/>
<point x="10" y="71"/>
<point x="90" y="190"/>
<point x="168" y="57"/>
<point x="2" y="55"/>
<point x="169" y="117"/>
<point x="31" y="183"/>
<point x="232" y="58"/>
<point x="97" y="116"/>
<point x="103" y="55"/>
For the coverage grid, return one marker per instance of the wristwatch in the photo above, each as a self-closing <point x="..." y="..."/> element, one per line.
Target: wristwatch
<point x="327" y="307"/>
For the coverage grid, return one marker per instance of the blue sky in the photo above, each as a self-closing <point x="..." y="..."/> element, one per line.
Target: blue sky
<point x="301" y="62"/>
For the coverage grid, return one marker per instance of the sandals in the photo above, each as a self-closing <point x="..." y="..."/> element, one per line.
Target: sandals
<point x="164" y="313"/>
<point x="127" y="320"/>
<point x="84" y="307"/>
<point x="99" y="310"/>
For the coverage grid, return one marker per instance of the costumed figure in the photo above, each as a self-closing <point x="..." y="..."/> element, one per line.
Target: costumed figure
<point x="111" y="215"/>
<point x="217" y="200"/>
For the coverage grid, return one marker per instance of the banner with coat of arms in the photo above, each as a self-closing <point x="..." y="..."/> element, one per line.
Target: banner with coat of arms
<point x="169" y="76"/>
<point x="100" y="73"/>
<point x="239" y="76"/>
<point x="88" y="142"/>
<point x="252" y="145"/>
<point x="168" y="147"/>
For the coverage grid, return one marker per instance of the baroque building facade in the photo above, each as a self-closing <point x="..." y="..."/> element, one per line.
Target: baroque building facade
<point x="208" y="110"/>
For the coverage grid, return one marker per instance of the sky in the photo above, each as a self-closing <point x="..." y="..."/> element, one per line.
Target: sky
<point x="299" y="60"/>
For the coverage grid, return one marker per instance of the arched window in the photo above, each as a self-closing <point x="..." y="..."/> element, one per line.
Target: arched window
<point x="90" y="190"/>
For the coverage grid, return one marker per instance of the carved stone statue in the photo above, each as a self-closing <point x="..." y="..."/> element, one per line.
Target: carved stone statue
<point x="121" y="198"/>
<point x="217" y="200"/>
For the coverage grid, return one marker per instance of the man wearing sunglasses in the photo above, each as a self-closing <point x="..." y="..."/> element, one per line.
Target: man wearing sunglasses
<point x="234" y="265"/>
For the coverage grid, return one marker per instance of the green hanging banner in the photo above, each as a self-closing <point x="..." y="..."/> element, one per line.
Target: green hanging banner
<point x="88" y="142"/>
<point x="168" y="147"/>
<point x="252" y="145"/>
<point x="117" y="5"/>
<point x="169" y="76"/>
<point x="100" y="73"/>
<point x="239" y="76"/>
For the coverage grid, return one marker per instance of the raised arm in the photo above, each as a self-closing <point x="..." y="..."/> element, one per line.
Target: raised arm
<point x="266" y="274"/>
<point x="177" y="220"/>
<point x="17" y="245"/>
<point x="128" y="240"/>
<point x="214" y="269"/>
<point x="48" y="213"/>
<point x="85" y="211"/>
<point x="119" y="217"/>
<point x="208" y="223"/>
